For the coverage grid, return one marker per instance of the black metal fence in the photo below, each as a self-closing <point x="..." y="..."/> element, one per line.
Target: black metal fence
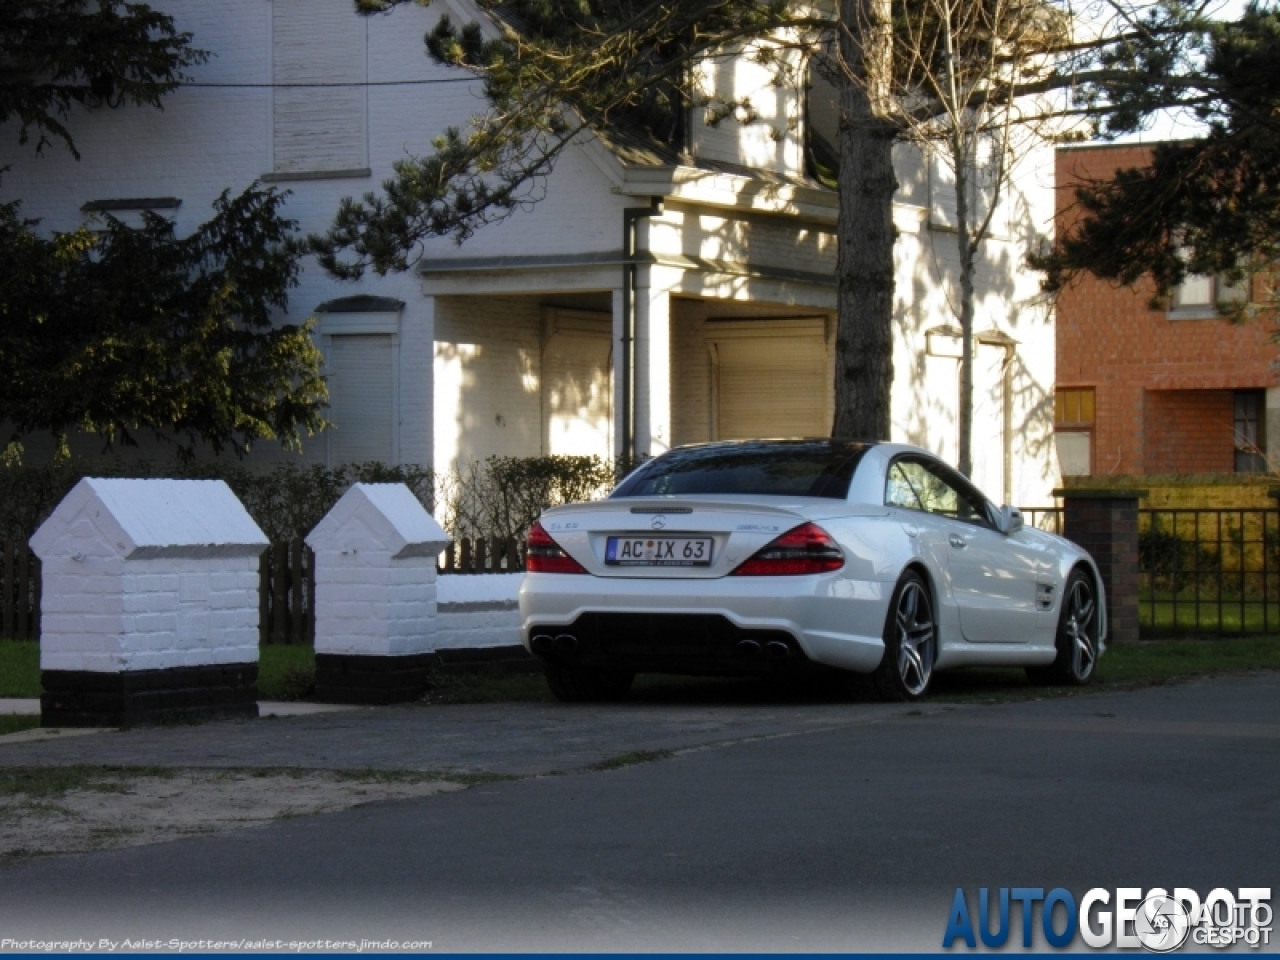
<point x="1209" y="571"/>
<point x="1206" y="571"/>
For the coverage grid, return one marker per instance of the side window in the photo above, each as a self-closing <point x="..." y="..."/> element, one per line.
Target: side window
<point x="914" y="485"/>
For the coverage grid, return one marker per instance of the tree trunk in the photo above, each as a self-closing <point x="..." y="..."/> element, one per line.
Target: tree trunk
<point x="864" y="267"/>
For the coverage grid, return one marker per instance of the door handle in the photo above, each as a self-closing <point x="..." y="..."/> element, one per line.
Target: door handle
<point x="958" y="541"/>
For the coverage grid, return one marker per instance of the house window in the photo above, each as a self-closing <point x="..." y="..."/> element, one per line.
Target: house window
<point x="1200" y="294"/>
<point x="1250" y="432"/>
<point x="1073" y="420"/>
<point x="319" y="65"/>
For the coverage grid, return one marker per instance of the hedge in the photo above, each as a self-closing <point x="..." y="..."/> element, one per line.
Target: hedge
<point x="500" y="497"/>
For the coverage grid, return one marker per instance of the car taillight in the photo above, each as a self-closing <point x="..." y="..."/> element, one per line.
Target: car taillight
<point x="806" y="549"/>
<point x="546" y="556"/>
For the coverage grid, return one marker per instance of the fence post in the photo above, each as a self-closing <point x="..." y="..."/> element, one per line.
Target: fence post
<point x="1105" y="523"/>
<point x="295" y="592"/>
<point x="280" y="593"/>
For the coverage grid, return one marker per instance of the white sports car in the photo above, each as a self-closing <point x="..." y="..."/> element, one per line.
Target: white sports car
<point x="868" y="562"/>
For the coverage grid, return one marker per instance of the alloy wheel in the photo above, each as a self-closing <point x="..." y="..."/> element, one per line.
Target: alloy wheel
<point x="915" y="638"/>
<point x="1080" y="629"/>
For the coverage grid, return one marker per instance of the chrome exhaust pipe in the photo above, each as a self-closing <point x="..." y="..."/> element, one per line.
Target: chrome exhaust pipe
<point x="748" y="648"/>
<point x="541" y="643"/>
<point x="566" y="643"/>
<point x="777" y="649"/>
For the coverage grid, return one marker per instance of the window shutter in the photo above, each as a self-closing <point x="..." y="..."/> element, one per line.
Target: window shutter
<point x="772" y="385"/>
<point x="318" y="128"/>
<point x="361" y="405"/>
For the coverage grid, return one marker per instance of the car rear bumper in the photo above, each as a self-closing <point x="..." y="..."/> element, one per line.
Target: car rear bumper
<point x="730" y="626"/>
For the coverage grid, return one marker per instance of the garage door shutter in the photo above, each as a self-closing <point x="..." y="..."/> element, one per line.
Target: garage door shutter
<point x="361" y="404"/>
<point x="772" y="383"/>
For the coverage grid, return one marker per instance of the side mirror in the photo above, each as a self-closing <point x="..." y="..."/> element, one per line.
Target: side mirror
<point x="1009" y="520"/>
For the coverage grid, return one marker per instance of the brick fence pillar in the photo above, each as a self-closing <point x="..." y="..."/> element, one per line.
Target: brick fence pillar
<point x="375" y="595"/>
<point x="1105" y="523"/>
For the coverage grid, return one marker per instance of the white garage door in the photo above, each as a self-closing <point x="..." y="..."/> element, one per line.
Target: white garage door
<point x="772" y="379"/>
<point x="361" y="398"/>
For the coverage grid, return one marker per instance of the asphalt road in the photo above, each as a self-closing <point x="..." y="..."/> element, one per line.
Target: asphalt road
<point x="778" y="827"/>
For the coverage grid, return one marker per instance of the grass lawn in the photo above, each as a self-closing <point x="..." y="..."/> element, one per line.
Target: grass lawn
<point x="284" y="673"/>
<point x="19" y="669"/>
<point x="1186" y="616"/>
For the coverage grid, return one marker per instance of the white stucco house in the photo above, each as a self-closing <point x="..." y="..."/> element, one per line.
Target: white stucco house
<point x="516" y="342"/>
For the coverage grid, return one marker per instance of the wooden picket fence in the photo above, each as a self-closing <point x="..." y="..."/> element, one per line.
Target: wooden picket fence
<point x="19" y="592"/>
<point x="286" y="614"/>
<point x="484" y="555"/>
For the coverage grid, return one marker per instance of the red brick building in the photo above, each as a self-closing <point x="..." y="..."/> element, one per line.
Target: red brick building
<point x="1145" y="391"/>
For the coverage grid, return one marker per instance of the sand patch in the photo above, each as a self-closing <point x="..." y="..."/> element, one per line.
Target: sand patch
<point x="79" y="810"/>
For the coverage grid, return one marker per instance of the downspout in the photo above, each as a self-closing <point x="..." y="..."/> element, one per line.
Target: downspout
<point x="1006" y="375"/>
<point x="630" y="216"/>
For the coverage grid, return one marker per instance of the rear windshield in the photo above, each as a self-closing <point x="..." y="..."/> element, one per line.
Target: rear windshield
<point x="802" y="468"/>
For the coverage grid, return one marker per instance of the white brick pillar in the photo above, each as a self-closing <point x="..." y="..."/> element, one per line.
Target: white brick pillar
<point x="149" y="607"/>
<point x="653" y="357"/>
<point x="375" y="563"/>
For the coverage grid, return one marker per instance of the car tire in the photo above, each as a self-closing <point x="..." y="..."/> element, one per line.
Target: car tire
<point x="1077" y="639"/>
<point x="574" y="683"/>
<point x="910" y="642"/>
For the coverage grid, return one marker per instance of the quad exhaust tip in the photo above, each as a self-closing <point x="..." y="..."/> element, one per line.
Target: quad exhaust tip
<point x="748" y="648"/>
<point x="542" y="643"/>
<point x="566" y="643"/>
<point x="777" y="649"/>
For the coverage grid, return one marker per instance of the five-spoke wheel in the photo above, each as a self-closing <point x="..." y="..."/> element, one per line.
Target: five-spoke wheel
<point x="1077" y="635"/>
<point x="910" y="642"/>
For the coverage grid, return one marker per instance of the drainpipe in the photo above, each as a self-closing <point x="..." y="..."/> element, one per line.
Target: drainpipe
<point x="630" y="217"/>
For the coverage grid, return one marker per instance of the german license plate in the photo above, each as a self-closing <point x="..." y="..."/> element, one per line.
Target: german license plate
<point x="658" y="551"/>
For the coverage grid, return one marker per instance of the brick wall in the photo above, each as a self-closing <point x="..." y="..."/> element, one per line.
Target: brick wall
<point x="1110" y="338"/>
<point x="1189" y="431"/>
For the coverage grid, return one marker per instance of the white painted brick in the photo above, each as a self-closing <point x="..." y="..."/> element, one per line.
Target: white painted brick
<point x="149" y="606"/>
